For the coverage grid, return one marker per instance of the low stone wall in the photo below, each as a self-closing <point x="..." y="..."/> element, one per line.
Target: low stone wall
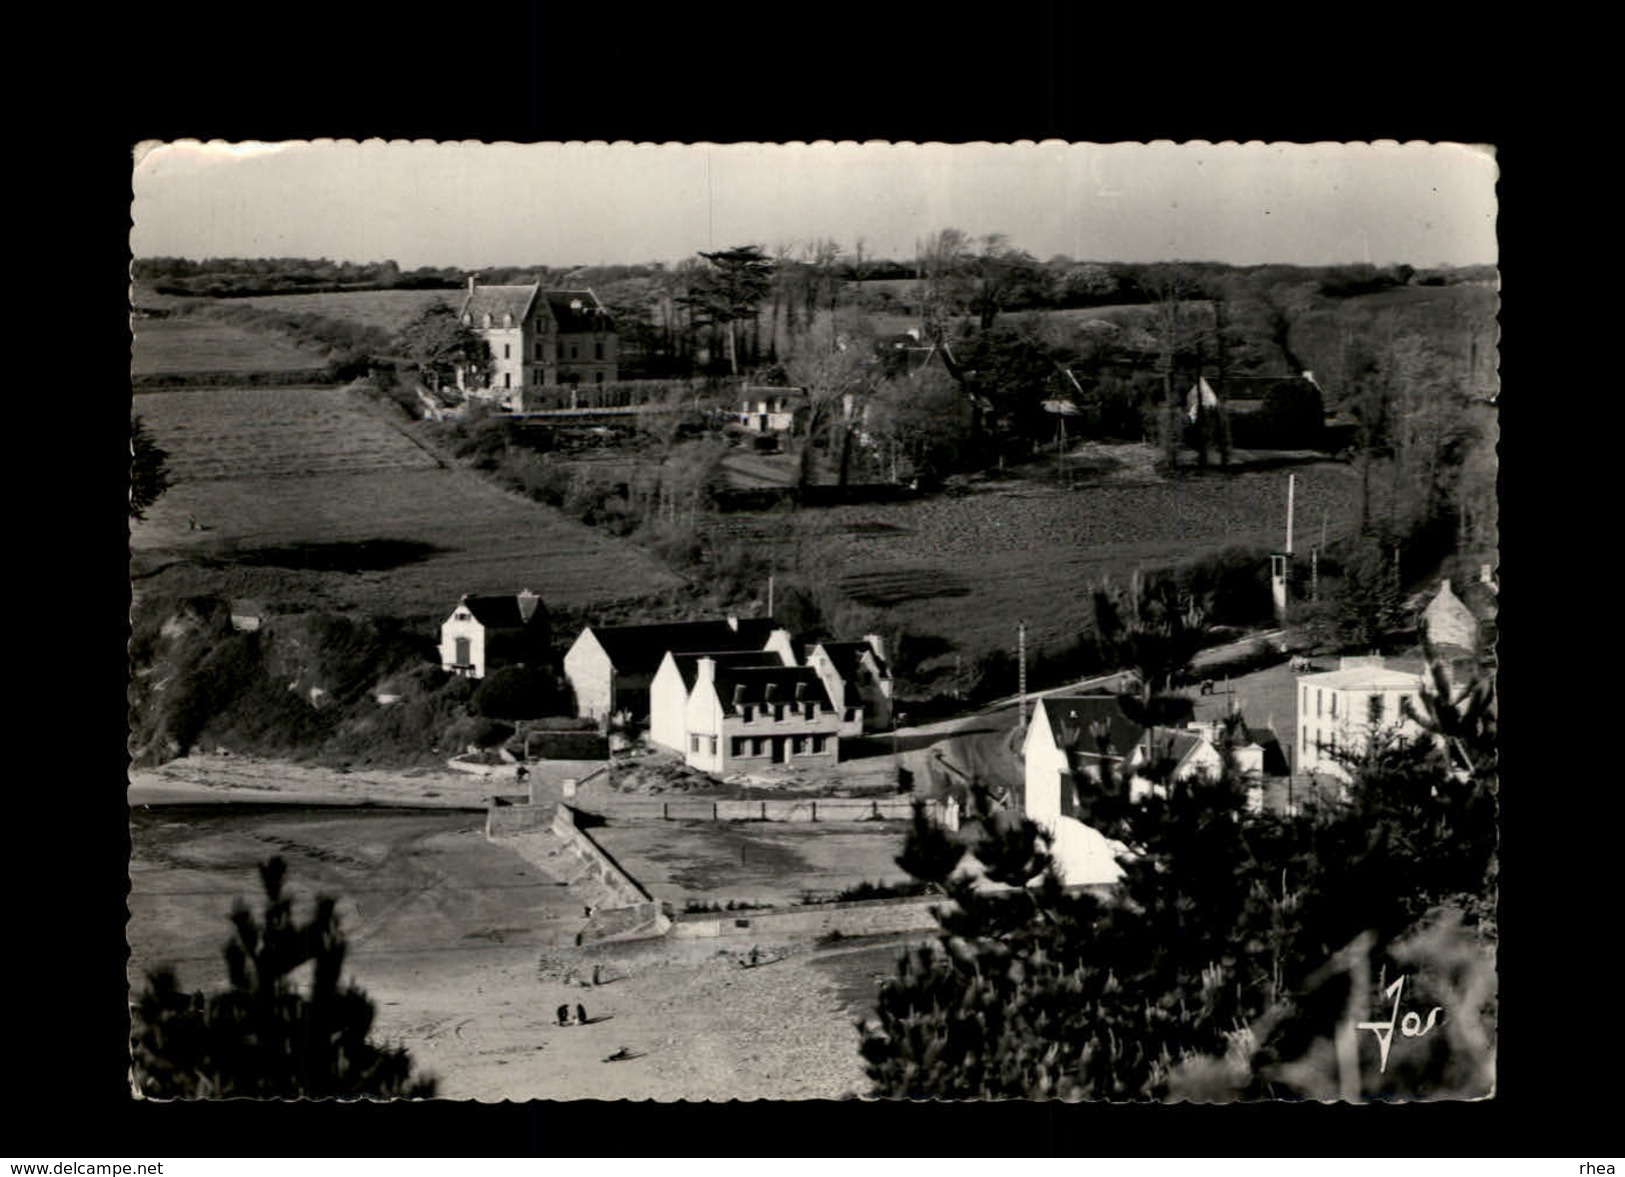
<point x="863" y="918"/>
<point x="635" y="921"/>
<point x="509" y="815"/>
<point x="828" y="809"/>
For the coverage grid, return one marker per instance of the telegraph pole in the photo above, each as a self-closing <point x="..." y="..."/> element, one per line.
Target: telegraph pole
<point x="1291" y="495"/>
<point x="1021" y="669"/>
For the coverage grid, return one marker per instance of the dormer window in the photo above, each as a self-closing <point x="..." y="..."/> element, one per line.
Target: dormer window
<point x="507" y="319"/>
<point x="485" y="319"/>
<point x="468" y="320"/>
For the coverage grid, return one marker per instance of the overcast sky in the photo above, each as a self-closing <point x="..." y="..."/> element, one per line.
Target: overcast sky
<point x="475" y="205"/>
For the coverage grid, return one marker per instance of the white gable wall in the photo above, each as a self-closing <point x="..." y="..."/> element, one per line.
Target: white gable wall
<point x="702" y="727"/>
<point x="668" y="707"/>
<point x="1045" y="764"/>
<point x="461" y="624"/>
<point x="1083" y="855"/>
<point x="591" y="675"/>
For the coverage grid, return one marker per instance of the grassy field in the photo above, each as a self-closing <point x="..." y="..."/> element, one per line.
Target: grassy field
<point x="971" y="567"/>
<point x="203" y="345"/>
<point x="317" y="496"/>
<point x="388" y="310"/>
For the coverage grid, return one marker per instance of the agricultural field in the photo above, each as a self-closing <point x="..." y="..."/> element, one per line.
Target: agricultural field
<point x="970" y="567"/>
<point x="181" y="345"/>
<point x="388" y="310"/>
<point x="319" y="497"/>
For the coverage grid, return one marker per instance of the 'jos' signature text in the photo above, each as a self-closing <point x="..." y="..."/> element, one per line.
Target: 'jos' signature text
<point x="1411" y="1026"/>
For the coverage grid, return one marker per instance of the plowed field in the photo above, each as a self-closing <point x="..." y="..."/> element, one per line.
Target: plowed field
<point x="317" y="495"/>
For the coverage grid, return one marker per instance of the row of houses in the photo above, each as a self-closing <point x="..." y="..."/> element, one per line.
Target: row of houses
<point x="728" y="695"/>
<point x="1078" y="745"/>
<point x="1073" y="739"/>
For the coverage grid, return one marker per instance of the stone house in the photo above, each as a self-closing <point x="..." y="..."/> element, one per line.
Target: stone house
<point x="484" y="633"/>
<point x="612" y="668"/>
<point x="743" y="718"/>
<point x="858" y="680"/>
<point x="539" y="337"/>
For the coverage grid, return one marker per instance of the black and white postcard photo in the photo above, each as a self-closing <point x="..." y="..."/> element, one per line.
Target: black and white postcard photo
<point x="805" y="621"/>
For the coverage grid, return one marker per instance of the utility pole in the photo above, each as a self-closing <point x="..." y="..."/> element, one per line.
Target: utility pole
<point x="1291" y="494"/>
<point x="770" y="594"/>
<point x="1280" y="563"/>
<point x="1021" y="669"/>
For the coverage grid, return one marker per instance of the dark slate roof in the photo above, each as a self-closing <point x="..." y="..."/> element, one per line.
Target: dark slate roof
<point x="501" y="612"/>
<point x="639" y="649"/>
<point x="1174" y="743"/>
<point x="844" y="657"/>
<point x="499" y="300"/>
<point x="1071" y="716"/>
<point x="741" y="686"/>
<point x="688" y="665"/>
<point x="1274" y="755"/>
<point x="591" y="317"/>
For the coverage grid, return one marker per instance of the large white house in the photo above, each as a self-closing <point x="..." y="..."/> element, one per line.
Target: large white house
<point x="1339" y="709"/>
<point x="538" y="337"/>
<point x="612" y="668"/>
<point x="749" y="717"/>
<point x="674" y="683"/>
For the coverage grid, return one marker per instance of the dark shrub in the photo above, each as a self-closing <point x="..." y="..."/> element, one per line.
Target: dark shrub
<point x="517" y="692"/>
<point x="1292" y="415"/>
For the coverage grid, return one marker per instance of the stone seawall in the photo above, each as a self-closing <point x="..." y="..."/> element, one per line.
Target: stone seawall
<point x="863" y="918"/>
<point x="507" y="816"/>
<point x="545" y="833"/>
<point x="821" y="809"/>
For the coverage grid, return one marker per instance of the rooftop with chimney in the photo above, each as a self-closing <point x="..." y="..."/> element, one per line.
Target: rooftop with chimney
<point x="503" y="612"/>
<point x="739" y="687"/>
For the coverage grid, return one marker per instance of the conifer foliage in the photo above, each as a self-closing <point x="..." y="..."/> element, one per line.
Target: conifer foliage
<point x="263" y="1037"/>
<point x="1227" y="961"/>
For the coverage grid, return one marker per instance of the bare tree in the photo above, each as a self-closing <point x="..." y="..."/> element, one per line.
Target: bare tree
<point x="834" y="380"/>
<point x="943" y="262"/>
